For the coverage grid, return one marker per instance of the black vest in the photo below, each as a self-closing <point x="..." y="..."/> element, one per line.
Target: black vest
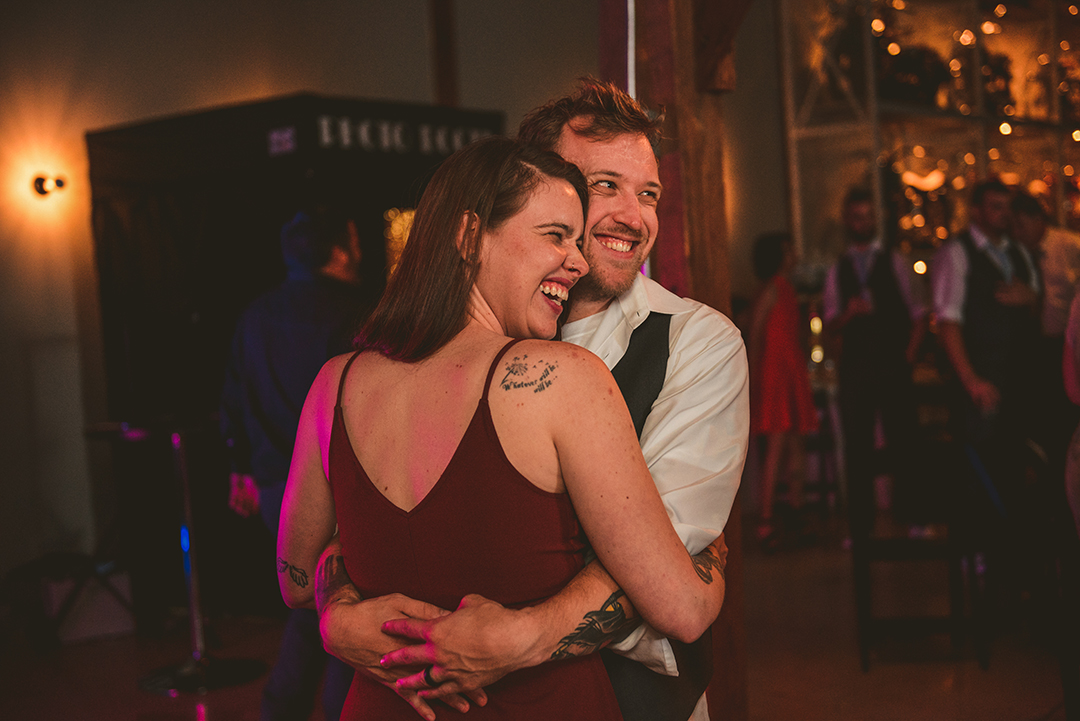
<point x="996" y="337"/>
<point x="644" y="695"/>
<point x="880" y="338"/>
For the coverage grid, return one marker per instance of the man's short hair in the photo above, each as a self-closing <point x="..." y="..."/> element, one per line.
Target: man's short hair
<point x="1028" y="205"/>
<point x="858" y="194"/>
<point x="987" y="186"/>
<point x="598" y="110"/>
<point x="306" y="239"/>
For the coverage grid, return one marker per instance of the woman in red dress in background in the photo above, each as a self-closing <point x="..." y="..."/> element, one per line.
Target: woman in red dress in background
<point x="781" y="406"/>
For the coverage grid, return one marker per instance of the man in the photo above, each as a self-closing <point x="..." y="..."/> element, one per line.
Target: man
<point x="1057" y="252"/>
<point x="985" y="289"/>
<point x="689" y="400"/>
<point x="281" y="341"/>
<point x="869" y="303"/>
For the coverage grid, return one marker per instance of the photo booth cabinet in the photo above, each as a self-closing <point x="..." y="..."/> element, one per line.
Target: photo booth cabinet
<point x="187" y="213"/>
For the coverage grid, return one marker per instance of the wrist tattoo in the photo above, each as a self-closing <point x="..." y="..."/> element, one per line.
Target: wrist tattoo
<point x="596" y="629"/>
<point x="705" y="561"/>
<point x="298" y="575"/>
<point x="521" y="374"/>
<point x="330" y="578"/>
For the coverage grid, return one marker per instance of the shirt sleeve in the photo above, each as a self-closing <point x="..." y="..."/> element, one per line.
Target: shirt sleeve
<point x="948" y="278"/>
<point x="695" y="442"/>
<point x="695" y="438"/>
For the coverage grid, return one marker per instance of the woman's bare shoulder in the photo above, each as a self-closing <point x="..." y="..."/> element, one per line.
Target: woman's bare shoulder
<point x="553" y="367"/>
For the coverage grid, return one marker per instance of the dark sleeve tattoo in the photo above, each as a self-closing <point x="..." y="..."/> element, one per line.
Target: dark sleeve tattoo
<point x="705" y="561"/>
<point x="597" y="629"/>
<point x="522" y="374"/>
<point x="330" y="578"/>
<point x="298" y="575"/>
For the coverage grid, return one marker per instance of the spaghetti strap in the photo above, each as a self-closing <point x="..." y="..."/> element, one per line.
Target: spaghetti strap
<point x="495" y="362"/>
<point x="345" y="372"/>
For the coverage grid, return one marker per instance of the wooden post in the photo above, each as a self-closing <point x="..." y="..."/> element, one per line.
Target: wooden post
<point x="444" y="52"/>
<point x="684" y="59"/>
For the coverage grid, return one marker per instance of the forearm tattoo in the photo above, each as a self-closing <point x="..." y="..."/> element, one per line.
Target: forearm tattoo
<point x="298" y="575"/>
<point x="331" y="578"/>
<point x="522" y="374"/>
<point x="706" y="561"/>
<point x="596" y="629"/>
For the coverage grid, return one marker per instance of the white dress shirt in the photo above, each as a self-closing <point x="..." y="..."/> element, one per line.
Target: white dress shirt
<point x="695" y="438"/>
<point x="948" y="274"/>
<point x="902" y="270"/>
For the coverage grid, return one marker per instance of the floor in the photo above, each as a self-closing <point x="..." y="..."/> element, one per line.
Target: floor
<point x="802" y="658"/>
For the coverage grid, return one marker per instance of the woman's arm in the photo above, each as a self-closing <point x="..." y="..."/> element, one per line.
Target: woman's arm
<point x="307" y="510"/>
<point x="617" y="501"/>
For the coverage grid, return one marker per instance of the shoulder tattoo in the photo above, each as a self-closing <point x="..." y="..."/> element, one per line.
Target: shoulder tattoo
<point x="535" y="375"/>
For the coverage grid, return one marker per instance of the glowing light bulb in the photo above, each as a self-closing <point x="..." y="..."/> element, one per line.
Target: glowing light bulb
<point x="920" y="266"/>
<point x="817" y="354"/>
<point x="993" y="153"/>
<point x="815" y="325"/>
<point x="1005" y="129"/>
<point x="878" y="26"/>
<point x="893" y="49"/>
<point x="967" y="38"/>
<point x="1000" y="11"/>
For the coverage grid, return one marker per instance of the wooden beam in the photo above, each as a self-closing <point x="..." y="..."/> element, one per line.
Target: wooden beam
<point x="683" y="57"/>
<point x="444" y="52"/>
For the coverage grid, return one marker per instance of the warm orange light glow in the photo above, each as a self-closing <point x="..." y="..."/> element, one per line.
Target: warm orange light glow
<point x="893" y="49"/>
<point x="815" y="325"/>
<point x="878" y="26"/>
<point x="919" y="151"/>
<point x="993" y="153"/>
<point x="969" y="158"/>
<point x="967" y="38"/>
<point x="920" y="267"/>
<point x="1065" y="45"/>
<point x="1000" y="10"/>
<point x="1073" y="9"/>
<point x="1068" y="170"/>
<point x="817" y="354"/>
<point x="989" y="28"/>
<point x="1005" y="129"/>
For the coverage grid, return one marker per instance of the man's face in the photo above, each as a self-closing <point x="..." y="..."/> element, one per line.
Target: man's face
<point x="859" y="221"/>
<point x="992" y="214"/>
<point x="624" y="187"/>
<point x="1028" y="229"/>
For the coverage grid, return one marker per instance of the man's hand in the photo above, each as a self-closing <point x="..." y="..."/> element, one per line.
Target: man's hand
<point x="1015" y="294"/>
<point x="243" y="494"/>
<point x="351" y="628"/>
<point x="858" y="306"/>
<point x="984" y="394"/>
<point x="475" y="646"/>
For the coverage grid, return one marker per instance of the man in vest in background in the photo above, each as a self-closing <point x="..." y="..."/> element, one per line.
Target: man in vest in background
<point x="870" y="304"/>
<point x="682" y="369"/>
<point x="281" y="341"/>
<point x="986" y="293"/>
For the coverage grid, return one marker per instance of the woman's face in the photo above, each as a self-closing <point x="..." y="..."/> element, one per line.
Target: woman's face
<point x="529" y="263"/>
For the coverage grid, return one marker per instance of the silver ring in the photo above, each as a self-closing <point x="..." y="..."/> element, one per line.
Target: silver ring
<point x="427" y="677"/>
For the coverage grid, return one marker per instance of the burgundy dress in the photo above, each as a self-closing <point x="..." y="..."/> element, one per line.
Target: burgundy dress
<point x="483" y="528"/>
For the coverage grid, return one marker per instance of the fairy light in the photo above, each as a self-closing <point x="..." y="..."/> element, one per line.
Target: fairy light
<point x="1000" y="11"/>
<point x="919" y="151"/>
<point x="993" y="153"/>
<point x="967" y="38"/>
<point x="878" y="26"/>
<point x="893" y="49"/>
<point x="919" y="267"/>
<point x="1005" y="129"/>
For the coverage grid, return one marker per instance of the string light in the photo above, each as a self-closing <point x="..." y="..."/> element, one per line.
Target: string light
<point x="920" y="266"/>
<point x="893" y="49"/>
<point x="1005" y="129"/>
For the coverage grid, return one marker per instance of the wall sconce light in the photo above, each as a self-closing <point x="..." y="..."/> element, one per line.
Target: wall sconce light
<point x="44" y="186"/>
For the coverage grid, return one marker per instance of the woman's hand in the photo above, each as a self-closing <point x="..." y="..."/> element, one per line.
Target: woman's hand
<point x="352" y="631"/>
<point x="473" y="647"/>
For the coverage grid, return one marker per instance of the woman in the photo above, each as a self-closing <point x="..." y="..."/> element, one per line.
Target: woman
<point x="453" y="453"/>
<point x="781" y="406"/>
